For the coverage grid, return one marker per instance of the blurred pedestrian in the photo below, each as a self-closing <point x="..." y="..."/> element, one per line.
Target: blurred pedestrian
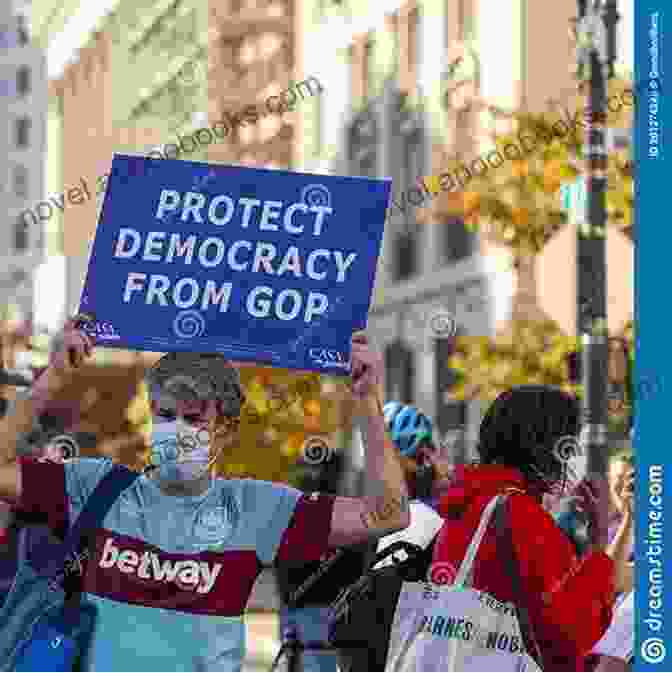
<point x="621" y="471"/>
<point x="614" y="652"/>
<point x="304" y="615"/>
<point x="412" y="433"/>
<point x="568" y="599"/>
<point x="621" y="529"/>
<point x="426" y="470"/>
<point x="7" y="379"/>
<point x="36" y="534"/>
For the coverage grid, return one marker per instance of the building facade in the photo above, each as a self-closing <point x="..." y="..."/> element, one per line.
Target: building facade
<point x="22" y="146"/>
<point x="135" y="77"/>
<point x="113" y="87"/>
<point x="408" y="87"/>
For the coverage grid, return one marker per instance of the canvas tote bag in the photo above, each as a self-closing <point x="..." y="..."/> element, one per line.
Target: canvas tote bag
<point x="456" y="627"/>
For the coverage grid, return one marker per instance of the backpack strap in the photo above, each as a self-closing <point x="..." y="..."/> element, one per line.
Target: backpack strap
<point x="23" y="545"/>
<point x="96" y="507"/>
<point x="464" y="574"/>
<point x="505" y="535"/>
<point x="296" y="595"/>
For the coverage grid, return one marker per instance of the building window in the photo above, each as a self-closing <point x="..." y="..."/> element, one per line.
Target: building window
<point x="319" y="123"/>
<point x="461" y="19"/>
<point x="399" y="373"/>
<point x="22" y="132"/>
<point x="413" y="54"/>
<point x="367" y="69"/>
<point x="451" y="415"/>
<point x="42" y="240"/>
<point x="22" y="31"/>
<point x="20" y="181"/>
<point x="21" y="234"/>
<point x="413" y="163"/>
<point x="362" y="145"/>
<point x="409" y="167"/>
<point x="23" y="81"/>
<point x="393" y="28"/>
<point x="406" y="255"/>
<point x="458" y="242"/>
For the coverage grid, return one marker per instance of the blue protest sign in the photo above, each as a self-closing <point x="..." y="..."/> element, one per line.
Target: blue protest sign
<point x="262" y="266"/>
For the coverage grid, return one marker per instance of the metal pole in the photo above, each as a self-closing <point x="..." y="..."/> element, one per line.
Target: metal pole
<point x="596" y="27"/>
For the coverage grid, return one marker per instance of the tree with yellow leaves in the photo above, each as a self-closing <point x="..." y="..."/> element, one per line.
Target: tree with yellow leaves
<point x="517" y="203"/>
<point x="517" y="200"/>
<point x="537" y="352"/>
<point x="283" y="411"/>
<point x="529" y="352"/>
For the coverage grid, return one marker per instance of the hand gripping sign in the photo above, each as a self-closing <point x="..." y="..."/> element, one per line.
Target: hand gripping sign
<point x="263" y="266"/>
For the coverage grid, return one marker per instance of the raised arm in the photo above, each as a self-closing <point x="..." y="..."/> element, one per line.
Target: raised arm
<point x="385" y="508"/>
<point x="622" y="544"/>
<point x="24" y="413"/>
<point x="569" y="598"/>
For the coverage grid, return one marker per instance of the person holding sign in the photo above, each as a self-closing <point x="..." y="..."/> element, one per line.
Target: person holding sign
<point x="266" y="266"/>
<point x="180" y="550"/>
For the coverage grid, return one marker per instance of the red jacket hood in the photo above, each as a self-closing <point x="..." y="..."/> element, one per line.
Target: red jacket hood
<point x="473" y="481"/>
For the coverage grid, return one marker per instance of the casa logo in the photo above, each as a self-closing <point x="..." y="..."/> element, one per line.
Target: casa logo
<point x="188" y="575"/>
<point x="215" y="525"/>
<point x="101" y="329"/>
<point x="328" y="358"/>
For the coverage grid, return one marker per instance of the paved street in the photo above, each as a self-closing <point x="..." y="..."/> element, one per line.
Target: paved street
<point x="262" y="641"/>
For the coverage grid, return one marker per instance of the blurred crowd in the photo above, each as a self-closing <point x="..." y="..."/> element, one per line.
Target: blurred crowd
<point x="524" y="526"/>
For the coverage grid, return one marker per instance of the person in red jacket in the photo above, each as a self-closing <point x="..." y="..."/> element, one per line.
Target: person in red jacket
<point x="568" y="599"/>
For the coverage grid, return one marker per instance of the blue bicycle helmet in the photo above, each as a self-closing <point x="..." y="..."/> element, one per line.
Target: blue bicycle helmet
<point x="407" y="427"/>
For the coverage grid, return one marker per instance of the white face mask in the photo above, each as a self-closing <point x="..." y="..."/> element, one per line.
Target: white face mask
<point x="179" y="450"/>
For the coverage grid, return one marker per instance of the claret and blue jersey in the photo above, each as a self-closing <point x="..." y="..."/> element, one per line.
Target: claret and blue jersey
<point x="170" y="576"/>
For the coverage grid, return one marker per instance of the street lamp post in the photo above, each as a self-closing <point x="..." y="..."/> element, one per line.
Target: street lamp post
<point x="596" y="34"/>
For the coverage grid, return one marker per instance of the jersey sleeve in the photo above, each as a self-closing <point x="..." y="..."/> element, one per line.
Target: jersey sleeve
<point x="43" y="493"/>
<point x="307" y="536"/>
<point x="57" y="491"/>
<point x="281" y="519"/>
